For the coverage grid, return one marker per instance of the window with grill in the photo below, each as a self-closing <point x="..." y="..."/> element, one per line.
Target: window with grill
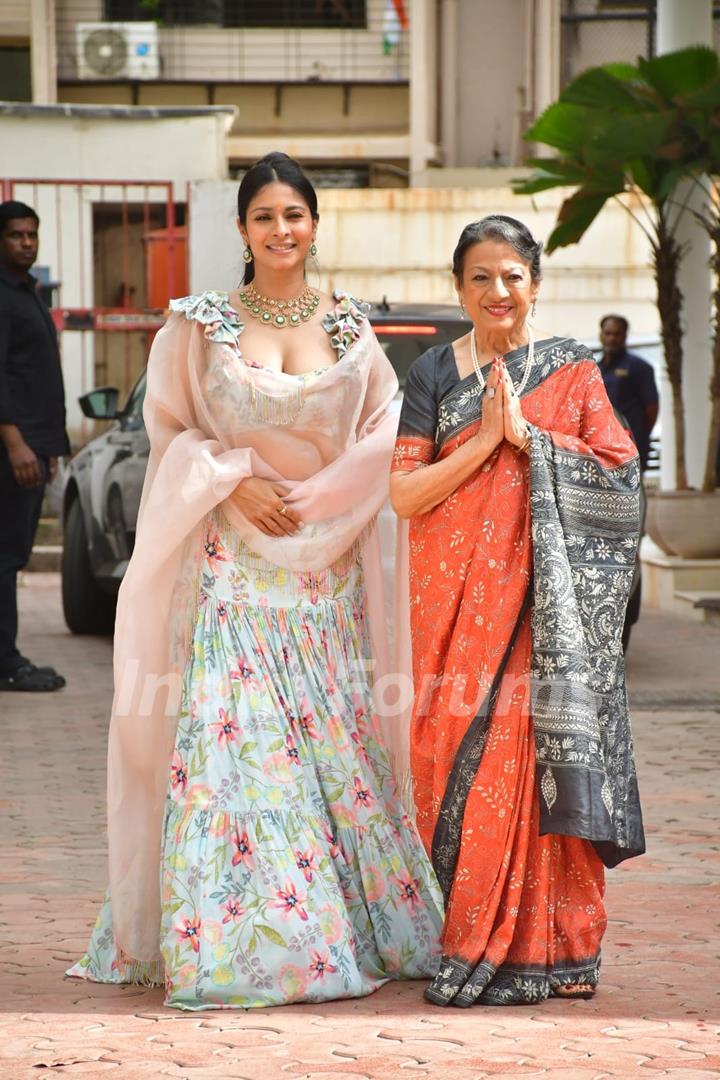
<point x="283" y="14"/>
<point x="615" y="5"/>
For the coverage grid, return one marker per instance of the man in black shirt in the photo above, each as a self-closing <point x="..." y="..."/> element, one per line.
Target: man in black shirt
<point x="630" y="383"/>
<point x="32" y="428"/>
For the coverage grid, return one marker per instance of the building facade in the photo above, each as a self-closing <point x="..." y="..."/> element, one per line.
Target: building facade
<point x="425" y="94"/>
<point x="367" y="93"/>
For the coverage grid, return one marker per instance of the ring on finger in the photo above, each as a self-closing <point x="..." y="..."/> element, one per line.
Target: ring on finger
<point x="491" y="392"/>
<point x="283" y="509"/>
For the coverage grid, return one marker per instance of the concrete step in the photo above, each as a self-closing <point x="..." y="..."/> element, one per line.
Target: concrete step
<point x="710" y="606"/>
<point x="49" y="531"/>
<point x="47" y="549"/>
<point x="701" y="605"/>
<point x="667" y="580"/>
<point x="45" y="558"/>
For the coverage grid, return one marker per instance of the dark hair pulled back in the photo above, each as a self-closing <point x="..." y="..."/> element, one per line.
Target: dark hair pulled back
<point x="506" y="229"/>
<point x="275" y="167"/>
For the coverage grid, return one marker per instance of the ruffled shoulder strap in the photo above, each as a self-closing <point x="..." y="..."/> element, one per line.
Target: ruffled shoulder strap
<point x="212" y="310"/>
<point x="345" y="321"/>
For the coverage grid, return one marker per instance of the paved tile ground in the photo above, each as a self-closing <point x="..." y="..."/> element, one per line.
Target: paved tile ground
<point x="657" y="1013"/>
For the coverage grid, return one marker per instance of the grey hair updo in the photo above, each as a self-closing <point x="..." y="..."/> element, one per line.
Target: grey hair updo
<point x="506" y="229"/>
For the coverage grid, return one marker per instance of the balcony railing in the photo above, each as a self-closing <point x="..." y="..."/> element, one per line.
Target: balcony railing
<point x="235" y="41"/>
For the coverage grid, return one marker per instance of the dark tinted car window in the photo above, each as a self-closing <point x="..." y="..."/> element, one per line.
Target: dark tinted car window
<point x="404" y="342"/>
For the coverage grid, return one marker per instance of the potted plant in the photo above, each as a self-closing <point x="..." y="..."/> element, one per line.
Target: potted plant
<point x="649" y="132"/>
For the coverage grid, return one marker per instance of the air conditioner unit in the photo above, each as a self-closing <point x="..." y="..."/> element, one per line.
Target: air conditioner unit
<point x="117" y="50"/>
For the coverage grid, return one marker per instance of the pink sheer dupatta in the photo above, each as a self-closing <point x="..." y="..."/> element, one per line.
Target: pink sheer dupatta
<point x="214" y="420"/>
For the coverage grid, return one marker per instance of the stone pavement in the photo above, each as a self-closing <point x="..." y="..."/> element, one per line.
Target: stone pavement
<point x="657" y="1013"/>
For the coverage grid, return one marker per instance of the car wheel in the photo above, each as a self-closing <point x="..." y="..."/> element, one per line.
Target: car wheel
<point x="87" y="609"/>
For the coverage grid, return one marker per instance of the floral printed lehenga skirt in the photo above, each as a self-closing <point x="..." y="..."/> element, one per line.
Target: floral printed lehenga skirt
<point x="289" y="870"/>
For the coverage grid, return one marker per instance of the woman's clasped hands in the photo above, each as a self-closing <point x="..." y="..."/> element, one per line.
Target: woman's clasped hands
<point x="502" y="416"/>
<point x="263" y="504"/>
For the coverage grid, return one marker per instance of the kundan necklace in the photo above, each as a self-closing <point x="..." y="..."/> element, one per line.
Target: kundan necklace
<point x="526" y="370"/>
<point x="280" y="313"/>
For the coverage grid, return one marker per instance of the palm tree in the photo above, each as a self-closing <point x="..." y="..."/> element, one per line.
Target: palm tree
<point x="648" y="131"/>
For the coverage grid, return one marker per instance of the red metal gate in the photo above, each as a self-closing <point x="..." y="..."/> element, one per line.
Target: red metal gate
<point x="112" y="253"/>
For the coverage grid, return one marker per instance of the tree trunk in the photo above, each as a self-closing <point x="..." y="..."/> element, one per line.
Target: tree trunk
<point x="711" y="461"/>
<point x="667" y="254"/>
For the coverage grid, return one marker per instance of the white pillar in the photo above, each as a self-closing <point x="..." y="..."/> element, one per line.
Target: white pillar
<point x="423" y="68"/>
<point x="680" y="25"/>
<point x="448" y="135"/>
<point x="547" y="54"/>
<point x="542" y="70"/>
<point x="43" y="54"/>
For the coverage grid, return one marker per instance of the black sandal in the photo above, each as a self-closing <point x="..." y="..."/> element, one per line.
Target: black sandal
<point x="31" y="679"/>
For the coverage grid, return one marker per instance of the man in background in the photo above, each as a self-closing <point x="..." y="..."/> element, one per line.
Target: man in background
<point x="32" y="428"/>
<point x="630" y="383"/>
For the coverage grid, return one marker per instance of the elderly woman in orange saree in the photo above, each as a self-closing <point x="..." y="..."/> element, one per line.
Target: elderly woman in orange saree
<point x="522" y="493"/>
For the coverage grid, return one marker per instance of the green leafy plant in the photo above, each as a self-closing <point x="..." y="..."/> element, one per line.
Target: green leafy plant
<point x="649" y="132"/>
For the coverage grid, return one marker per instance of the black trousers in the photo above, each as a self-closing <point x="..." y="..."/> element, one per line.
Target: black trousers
<point x="19" y="516"/>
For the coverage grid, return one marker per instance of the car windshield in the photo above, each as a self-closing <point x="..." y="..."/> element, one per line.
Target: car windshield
<point x="403" y="342"/>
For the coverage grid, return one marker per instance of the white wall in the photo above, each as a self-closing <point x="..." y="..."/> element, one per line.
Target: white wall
<point x="15" y="18"/>
<point x="490" y="70"/>
<point x="398" y="243"/>
<point x="66" y="142"/>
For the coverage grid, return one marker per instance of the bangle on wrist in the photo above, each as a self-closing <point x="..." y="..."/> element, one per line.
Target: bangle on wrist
<point x="525" y="444"/>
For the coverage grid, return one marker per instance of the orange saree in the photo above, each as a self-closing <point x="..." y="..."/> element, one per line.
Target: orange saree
<point x="520" y="743"/>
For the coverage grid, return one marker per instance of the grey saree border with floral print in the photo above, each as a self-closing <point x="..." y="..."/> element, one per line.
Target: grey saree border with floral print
<point x="585" y="532"/>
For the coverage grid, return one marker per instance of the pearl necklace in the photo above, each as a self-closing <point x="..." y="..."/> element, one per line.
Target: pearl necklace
<point x="526" y="370"/>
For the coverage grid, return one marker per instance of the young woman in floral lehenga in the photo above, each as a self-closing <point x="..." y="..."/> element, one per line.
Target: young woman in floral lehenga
<point x="522" y="490"/>
<point x="258" y="851"/>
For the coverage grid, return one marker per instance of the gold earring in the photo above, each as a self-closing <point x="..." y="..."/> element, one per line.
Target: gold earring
<point x="247" y="255"/>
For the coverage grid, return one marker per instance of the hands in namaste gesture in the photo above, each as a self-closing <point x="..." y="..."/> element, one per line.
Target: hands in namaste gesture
<point x="502" y="416"/>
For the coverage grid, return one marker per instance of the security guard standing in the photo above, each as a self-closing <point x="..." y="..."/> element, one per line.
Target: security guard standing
<point x="630" y="383"/>
<point x="32" y="428"/>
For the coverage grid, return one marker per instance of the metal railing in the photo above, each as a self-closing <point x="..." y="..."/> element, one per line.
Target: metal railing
<point x="594" y="32"/>
<point x="344" y="41"/>
<point x="112" y="253"/>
